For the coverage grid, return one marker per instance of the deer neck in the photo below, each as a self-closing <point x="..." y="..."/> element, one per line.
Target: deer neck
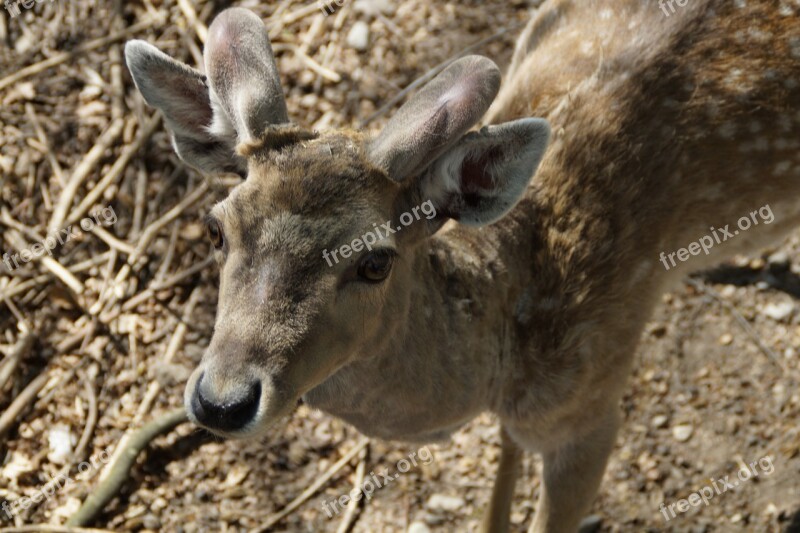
<point x="435" y="369"/>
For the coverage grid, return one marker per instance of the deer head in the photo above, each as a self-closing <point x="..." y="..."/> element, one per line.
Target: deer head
<point x="287" y="318"/>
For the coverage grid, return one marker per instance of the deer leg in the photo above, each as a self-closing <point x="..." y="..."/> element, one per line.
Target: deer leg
<point x="496" y="518"/>
<point x="571" y="476"/>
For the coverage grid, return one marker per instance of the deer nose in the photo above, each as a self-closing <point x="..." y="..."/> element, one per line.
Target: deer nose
<point x="231" y="413"/>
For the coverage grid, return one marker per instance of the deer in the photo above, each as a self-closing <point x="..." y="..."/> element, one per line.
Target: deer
<point x="620" y="132"/>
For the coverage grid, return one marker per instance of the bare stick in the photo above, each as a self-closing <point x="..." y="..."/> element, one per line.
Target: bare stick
<point x="152" y="230"/>
<point x="141" y="197"/>
<point x="116" y="169"/>
<point x="325" y="72"/>
<point x="311" y="490"/>
<point x="56" y="268"/>
<point x="167" y="283"/>
<point x="112" y="241"/>
<point x="352" y="507"/>
<point x="40" y="133"/>
<point x="191" y="17"/>
<point x="299" y="14"/>
<point x="120" y="469"/>
<point x="63" y="57"/>
<point x="18" y="352"/>
<point x="91" y="418"/>
<point x="21" y="402"/>
<point x="87" y="164"/>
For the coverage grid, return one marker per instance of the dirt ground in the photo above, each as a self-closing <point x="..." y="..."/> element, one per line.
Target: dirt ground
<point x="107" y="344"/>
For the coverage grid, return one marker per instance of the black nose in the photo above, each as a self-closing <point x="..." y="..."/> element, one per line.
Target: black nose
<point x="229" y="414"/>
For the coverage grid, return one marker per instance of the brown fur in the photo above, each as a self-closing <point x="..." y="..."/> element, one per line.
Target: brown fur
<point x="662" y="128"/>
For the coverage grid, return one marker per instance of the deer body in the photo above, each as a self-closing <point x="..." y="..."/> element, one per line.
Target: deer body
<point x="523" y="297"/>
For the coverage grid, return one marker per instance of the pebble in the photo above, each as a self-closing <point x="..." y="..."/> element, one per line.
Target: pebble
<point x="442" y="502"/>
<point x="358" y="38"/>
<point x="659" y="421"/>
<point x="779" y="311"/>
<point x="60" y="440"/>
<point x="590" y="524"/>
<point x="151" y="522"/>
<point x="779" y="258"/>
<point x="373" y="7"/>
<point x="418" y="527"/>
<point x="682" y="432"/>
<point x="433" y="519"/>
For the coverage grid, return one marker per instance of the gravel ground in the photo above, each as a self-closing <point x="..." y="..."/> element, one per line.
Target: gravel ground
<point x="716" y="377"/>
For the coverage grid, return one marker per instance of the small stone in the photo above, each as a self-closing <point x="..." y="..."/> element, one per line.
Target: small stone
<point x="771" y="510"/>
<point x="590" y="524"/>
<point x="151" y="522"/>
<point x="659" y="421"/>
<point x="374" y="7"/>
<point x="358" y="38"/>
<point x="61" y="442"/>
<point x="444" y="503"/>
<point x="725" y="339"/>
<point x="518" y="518"/>
<point x="418" y="527"/>
<point x="433" y="519"/>
<point x="779" y="311"/>
<point x="779" y="258"/>
<point x="682" y="432"/>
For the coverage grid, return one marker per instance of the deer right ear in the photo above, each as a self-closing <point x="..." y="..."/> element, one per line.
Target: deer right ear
<point x="436" y="117"/>
<point x="182" y="95"/>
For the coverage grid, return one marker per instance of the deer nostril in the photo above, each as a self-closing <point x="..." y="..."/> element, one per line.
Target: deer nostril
<point x="230" y="414"/>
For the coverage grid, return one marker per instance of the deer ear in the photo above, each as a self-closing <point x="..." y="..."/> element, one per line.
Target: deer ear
<point x="181" y="94"/>
<point x="242" y="98"/>
<point x="243" y="74"/>
<point x="436" y="117"/>
<point x="485" y="174"/>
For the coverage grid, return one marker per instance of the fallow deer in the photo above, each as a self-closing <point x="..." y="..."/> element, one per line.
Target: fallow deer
<point x="526" y="295"/>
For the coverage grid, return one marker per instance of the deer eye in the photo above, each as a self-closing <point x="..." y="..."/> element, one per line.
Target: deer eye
<point x="215" y="233"/>
<point x="375" y="266"/>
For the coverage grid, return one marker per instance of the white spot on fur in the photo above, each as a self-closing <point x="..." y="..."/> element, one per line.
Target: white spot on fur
<point x="782" y="168"/>
<point x="641" y="271"/>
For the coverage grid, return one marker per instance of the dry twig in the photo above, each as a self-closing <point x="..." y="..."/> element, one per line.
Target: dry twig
<point x="119" y="469"/>
<point x="311" y="490"/>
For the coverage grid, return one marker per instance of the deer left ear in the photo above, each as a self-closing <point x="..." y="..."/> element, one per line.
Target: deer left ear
<point x="485" y="174"/>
